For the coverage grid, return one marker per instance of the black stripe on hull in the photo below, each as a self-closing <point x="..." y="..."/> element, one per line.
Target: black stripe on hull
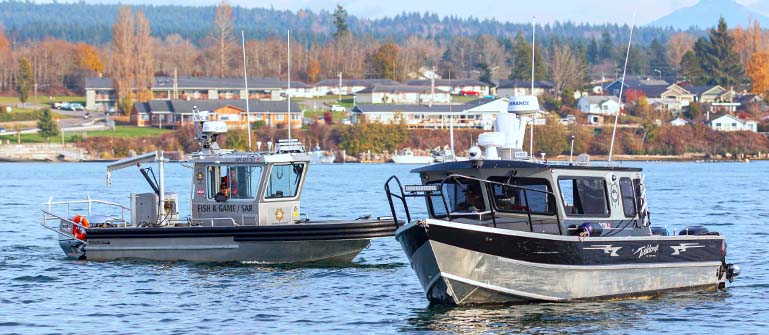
<point x="339" y="230"/>
<point x="588" y="251"/>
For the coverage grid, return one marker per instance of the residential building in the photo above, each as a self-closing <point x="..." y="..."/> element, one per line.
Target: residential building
<point x="638" y="83"/>
<point x="101" y="96"/>
<point x="599" y="104"/>
<point x="402" y="94"/>
<point x="666" y="105"/>
<point x="349" y="86"/>
<point x="728" y="122"/>
<point x="508" y="88"/>
<point x="479" y="113"/>
<point x="678" y="122"/>
<point x="172" y="113"/>
<point x="455" y="87"/>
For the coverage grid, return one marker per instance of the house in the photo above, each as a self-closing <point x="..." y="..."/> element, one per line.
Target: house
<point x="479" y="113"/>
<point x="455" y="87"/>
<point x="599" y="104"/>
<point x="508" y="88"/>
<point x="666" y="105"/>
<point x="672" y="92"/>
<point x="101" y="96"/>
<point x="298" y="90"/>
<point x="173" y="113"/>
<point x="349" y="86"/>
<point x="678" y="122"/>
<point x="728" y="122"/>
<point x="401" y="94"/>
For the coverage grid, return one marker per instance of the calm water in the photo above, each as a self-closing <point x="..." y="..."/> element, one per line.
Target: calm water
<point x="42" y="292"/>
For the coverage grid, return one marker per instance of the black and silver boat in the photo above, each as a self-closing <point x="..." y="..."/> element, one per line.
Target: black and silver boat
<point x="245" y="206"/>
<point x="506" y="230"/>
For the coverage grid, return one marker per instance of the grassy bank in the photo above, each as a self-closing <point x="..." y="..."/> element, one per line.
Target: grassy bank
<point x="71" y="137"/>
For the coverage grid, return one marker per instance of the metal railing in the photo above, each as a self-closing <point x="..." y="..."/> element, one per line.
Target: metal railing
<point x="50" y="212"/>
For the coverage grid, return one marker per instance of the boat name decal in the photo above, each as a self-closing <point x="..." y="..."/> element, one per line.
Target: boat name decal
<point x="224" y="208"/>
<point x="607" y="249"/>
<point x="681" y="247"/>
<point x="647" y="251"/>
<point x="246" y="159"/>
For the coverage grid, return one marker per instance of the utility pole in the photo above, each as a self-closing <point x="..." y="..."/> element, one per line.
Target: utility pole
<point x="340" y="87"/>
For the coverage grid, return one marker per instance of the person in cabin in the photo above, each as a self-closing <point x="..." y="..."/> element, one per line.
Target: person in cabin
<point x="224" y="191"/>
<point x="473" y="199"/>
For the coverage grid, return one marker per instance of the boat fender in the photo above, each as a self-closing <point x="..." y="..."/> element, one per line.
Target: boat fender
<point x="694" y="230"/>
<point x="77" y="231"/>
<point x="589" y="229"/>
<point x="661" y="231"/>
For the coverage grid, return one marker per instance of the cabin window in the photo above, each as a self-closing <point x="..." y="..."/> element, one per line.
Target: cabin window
<point x="513" y="199"/>
<point x="284" y="181"/>
<point x="234" y="182"/>
<point x="584" y="195"/>
<point x="461" y="196"/>
<point x="627" y="191"/>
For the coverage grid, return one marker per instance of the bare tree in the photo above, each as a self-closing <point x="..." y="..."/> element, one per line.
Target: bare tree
<point x="223" y="36"/>
<point x="678" y="45"/>
<point x="144" y="65"/>
<point x="123" y="59"/>
<point x="566" y="70"/>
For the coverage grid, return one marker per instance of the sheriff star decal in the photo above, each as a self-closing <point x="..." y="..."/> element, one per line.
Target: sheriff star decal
<point x="279" y="214"/>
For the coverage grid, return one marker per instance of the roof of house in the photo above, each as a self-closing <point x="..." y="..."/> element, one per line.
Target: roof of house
<point x="447" y="82"/>
<point x="195" y="83"/>
<point x="598" y="99"/>
<point x="356" y="82"/>
<point x="399" y="89"/>
<point x="699" y="90"/>
<point x="185" y="107"/>
<point x="653" y="91"/>
<point x="525" y="84"/>
<point x="392" y="108"/>
<point x="638" y="82"/>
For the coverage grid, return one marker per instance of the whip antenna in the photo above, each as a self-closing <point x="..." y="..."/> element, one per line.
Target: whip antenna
<point x="621" y="87"/>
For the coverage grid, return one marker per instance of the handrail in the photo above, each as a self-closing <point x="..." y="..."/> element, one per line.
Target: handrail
<point x="402" y="197"/>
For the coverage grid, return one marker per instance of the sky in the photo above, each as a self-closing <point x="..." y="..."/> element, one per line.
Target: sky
<point x="589" y="11"/>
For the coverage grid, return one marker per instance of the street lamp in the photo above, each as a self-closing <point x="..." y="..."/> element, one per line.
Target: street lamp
<point x="659" y="72"/>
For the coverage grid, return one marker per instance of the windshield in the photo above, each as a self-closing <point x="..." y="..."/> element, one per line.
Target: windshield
<point x="284" y="181"/>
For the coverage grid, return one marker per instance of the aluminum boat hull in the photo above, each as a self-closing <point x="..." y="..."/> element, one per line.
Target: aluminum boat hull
<point x="461" y="264"/>
<point x="338" y="241"/>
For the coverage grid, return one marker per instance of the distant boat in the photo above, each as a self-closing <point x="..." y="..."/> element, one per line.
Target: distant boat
<point x="318" y="156"/>
<point x="408" y="157"/>
<point x="441" y="156"/>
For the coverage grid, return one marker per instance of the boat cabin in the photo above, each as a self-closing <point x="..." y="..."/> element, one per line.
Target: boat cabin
<point x="247" y="188"/>
<point x="537" y="197"/>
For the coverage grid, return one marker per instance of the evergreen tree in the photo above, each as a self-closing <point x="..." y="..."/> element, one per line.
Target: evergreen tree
<point x="485" y="74"/>
<point x="46" y="126"/>
<point x="607" y="46"/>
<point x="657" y="60"/>
<point x="691" y="69"/>
<point x="593" y="53"/>
<point x="522" y="61"/>
<point x="718" y="59"/>
<point x="25" y="79"/>
<point x="340" y="22"/>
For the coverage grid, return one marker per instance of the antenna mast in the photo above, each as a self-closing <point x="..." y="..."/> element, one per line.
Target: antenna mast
<point x="622" y="86"/>
<point x="288" y="91"/>
<point x="451" y="125"/>
<point x="531" y="133"/>
<point x="245" y="80"/>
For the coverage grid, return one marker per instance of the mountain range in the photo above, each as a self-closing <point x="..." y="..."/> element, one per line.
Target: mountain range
<point x="705" y="14"/>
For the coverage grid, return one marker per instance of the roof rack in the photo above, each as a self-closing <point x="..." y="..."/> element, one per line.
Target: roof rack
<point x="290" y="145"/>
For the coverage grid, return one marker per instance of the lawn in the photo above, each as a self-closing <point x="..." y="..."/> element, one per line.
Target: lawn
<point x="43" y="100"/>
<point x="335" y="116"/>
<point x="120" y="131"/>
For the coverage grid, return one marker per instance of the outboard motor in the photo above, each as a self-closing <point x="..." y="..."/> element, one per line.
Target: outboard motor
<point x="694" y="230"/>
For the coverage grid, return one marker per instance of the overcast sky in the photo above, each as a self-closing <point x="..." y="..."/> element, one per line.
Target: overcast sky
<point x="590" y="11"/>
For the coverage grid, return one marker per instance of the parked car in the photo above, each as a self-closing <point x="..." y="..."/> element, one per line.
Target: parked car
<point x="61" y="105"/>
<point x="469" y="93"/>
<point x="75" y="107"/>
<point x="337" y="108"/>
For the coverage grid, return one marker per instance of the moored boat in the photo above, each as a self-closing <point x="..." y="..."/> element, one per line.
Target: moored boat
<point x="408" y="157"/>
<point x="245" y="206"/>
<point x="507" y="230"/>
<point x="319" y="156"/>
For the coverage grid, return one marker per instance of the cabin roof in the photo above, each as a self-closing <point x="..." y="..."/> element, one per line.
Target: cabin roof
<point x="513" y="164"/>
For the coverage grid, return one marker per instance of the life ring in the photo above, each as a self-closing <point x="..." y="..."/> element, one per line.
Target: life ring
<point x="77" y="231"/>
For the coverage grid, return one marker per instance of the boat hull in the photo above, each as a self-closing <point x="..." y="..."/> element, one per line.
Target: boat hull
<point x="405" y="159"/>
<point x="317" y="242"/>
<point x="488" y="265"/>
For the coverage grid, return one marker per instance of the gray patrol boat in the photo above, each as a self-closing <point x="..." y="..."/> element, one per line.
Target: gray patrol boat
<point x="245" y="206"/>
<point x="506" y="228"/>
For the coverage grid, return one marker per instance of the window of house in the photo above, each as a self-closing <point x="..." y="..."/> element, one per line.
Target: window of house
<point x="226" y="118"/>
<point x="584" y="196"/>
<point x="284" y="181"/>
<point x="627" y="192"/>
<point x="522" y="195"/>
<point x="258" y="117"/>
<point x="279" y="117"/>
<point x="718" y="124"/>
<point x="295" y="116"/>
<point x="734" y="124"/>
<point x="234" y="181"/>
<point x="144" y="117"/>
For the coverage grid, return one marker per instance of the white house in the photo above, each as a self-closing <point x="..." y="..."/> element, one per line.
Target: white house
<point x="598" y="104"/>
<point x="672" y="106"/>
<point x="678" y="122"/>
<point x="728" y="122"/>
<point x="401" y="94"/>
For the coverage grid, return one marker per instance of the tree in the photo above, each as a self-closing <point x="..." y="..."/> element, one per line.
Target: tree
<point x="25" y="79"/>
<point x="485" y="74"/>
<point x="758" y="71"/>
<point x="691" y="69"/>
<point x="382" y="62"/>
<point x="340" y="22"/>
<point x="607" y="46"/>
<point x="88" y="58"/>
<point x="522" y="59"/>
<point x="720" y="63"/>
<point x="678" y="44"/>
<point x="566" y="69"/>
<point x="593" y="52"/>
<point x="657" y="58"/>
<point x="46" y="126"/>
<point x="223" y="36"/>
<point x="145" y="65"/>
<point x="123" y="59"/>
<point x="313" y="70"/>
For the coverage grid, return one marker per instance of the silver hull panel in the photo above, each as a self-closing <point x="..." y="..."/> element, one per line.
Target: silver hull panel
<point x="457" y="276"/>
<point x="217" y="249"/>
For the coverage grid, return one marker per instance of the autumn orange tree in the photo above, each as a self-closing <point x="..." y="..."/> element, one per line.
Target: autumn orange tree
<point x="382" y="62"/>
<point x="758" y="71"/>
